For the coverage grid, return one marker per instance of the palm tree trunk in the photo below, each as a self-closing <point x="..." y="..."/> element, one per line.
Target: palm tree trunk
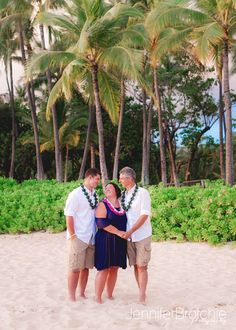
<point x="58" y="156"/>
<point x="149" y="127"/>
<point x="172" y="158"/>
<point x="160" y="125"/>
<point x="66" y="163"/>
<point x="40" y="171"/>
<point x="92" y="155"/>
<point x="118" y="137"/>
<point x="13" y="119"/>
<point x="229" y="138"/>
<point x="144" y="145"/>
<point x="221" y="115"/>
<point x="193" y="152"/>
<point x="87" y="142"/>
<point x="102" y="159"/>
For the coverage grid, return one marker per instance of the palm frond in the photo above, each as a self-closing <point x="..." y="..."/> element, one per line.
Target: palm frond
<point x="157" y="19"/>
<point x="61" y="21"/>
<point x="170" y="40"/>
<point x="48" y="59"/>
<point x="71" y="74"/>
<point x="206" y="37"/>
<point x="47" y="146"/>
<point x="127" y="61"/>
<point x="109" y="88"/>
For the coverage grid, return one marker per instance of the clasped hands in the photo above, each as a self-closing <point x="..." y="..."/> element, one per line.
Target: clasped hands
<point x="124" y="234"/>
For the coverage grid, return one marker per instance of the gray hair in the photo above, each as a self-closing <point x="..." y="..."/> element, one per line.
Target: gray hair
<point x="128" y="171"/>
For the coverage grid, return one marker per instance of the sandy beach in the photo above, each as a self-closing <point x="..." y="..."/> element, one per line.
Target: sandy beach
<point x="191" y="286"/>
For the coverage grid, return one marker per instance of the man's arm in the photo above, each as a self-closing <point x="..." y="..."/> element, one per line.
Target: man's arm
<point x="136" y="226"/>
<point x="70" y="226"/>
<point x="101" y="212"/>
<point x="145" y="213"/>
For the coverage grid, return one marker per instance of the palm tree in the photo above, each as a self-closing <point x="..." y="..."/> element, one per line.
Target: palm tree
<point x="210" y="24"/>
<point x="118" y="138"/>
<point x="18" y="13"/>
<point x="96" y="30"/>
<point x="87" y="141"/>
<point x="58" y="156"/>
<point x="8" y="46"/>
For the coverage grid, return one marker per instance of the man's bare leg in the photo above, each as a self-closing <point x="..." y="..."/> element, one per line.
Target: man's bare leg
<point x="73" y="278"/>
<point x="100" y="282"/>
<point x="143" y="279"/>
<point x="83" y="279"/>
<point x="136" y="274"/>
<point x="111" y="281"/>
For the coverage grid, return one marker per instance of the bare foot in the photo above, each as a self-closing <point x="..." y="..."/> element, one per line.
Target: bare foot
<point x="83" y="296"/>
<point x="98" y="300"/>
<point x="110" y="297"/>
<point x="142" y="299"/>
<point x="72" y="298"/>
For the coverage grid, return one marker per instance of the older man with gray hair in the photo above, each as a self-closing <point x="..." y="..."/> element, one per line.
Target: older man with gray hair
<point x="136" y="202"/>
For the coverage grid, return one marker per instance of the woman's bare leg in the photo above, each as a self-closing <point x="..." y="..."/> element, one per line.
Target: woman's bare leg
<point x="111" y="281"/>
<point x="100" y="282"/>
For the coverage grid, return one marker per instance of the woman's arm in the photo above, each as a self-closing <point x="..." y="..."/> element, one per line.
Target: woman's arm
<point x="101" y="212"/>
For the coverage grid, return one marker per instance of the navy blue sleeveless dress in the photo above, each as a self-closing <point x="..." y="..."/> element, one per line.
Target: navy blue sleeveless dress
<point x="110" y="249"/>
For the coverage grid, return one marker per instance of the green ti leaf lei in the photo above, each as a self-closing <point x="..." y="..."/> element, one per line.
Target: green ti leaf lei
<point x="89" y="199"/>
<point x="124" y="207"/>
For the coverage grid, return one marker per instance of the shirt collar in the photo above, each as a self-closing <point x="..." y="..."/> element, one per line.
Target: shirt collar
<point x="131" y="190"/>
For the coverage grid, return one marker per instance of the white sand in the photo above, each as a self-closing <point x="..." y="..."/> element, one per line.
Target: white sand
<point x="191" y="286"/>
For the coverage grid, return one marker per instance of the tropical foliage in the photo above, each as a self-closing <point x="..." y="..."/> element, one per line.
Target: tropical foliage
<point x="90" y="65"/>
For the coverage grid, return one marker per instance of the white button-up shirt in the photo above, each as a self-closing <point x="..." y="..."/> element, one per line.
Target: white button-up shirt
<point x="141" y="205"/>
<point x="78" y="207"/>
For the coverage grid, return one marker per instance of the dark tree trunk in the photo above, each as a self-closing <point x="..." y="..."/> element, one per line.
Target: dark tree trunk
<point x="161" y="130"/>
<point x="13" y="119"/>
<point x="227" y="102"/>
<point x="66" y="163"/>
<point x="193" y="152"/>
<point x="221" y="116"/>
<point x="149" y="127"/>
<point x="58" y="155"/>
<point x="172" y="158"/>
<point x="102" y="159"/>
<point x="40" y="171"/>
<point x="92" y="155"/>
<point x="144" y="144"/>
<point x="118" y="137"/>
<point x="87" y="142"/>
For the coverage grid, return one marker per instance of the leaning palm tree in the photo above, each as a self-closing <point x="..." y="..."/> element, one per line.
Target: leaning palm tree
<point x="96" y="30"/>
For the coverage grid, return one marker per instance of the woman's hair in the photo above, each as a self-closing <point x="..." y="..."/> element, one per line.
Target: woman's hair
<point x="117" y="188"/>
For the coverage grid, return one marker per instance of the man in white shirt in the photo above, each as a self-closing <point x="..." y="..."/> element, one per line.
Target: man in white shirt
<point x="80" y="221"/>
<point x="137" y="203"/>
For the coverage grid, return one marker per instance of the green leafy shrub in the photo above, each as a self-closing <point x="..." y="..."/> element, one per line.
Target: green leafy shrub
<point x="187" y="213"/>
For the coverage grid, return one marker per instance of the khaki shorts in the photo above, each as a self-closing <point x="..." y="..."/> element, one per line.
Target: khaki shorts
<point x="81" y="255"/>
<point x="139" y="253"/>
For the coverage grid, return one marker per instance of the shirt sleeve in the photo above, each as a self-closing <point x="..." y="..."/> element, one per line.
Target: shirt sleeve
<point x="71" y="205"/>
<point x="102" y="222"/>
<point x="145" y="203"/>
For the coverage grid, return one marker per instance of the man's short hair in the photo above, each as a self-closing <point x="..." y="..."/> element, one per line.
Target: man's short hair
<point x="128" y="171"/>
<point x="92" y="171"/>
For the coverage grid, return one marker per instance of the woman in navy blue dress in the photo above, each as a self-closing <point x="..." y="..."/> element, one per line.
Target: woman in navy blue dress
<point x="110" y="247"/>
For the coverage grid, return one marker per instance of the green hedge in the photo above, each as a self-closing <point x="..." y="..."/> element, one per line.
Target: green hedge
<point x="186" y="213"/>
